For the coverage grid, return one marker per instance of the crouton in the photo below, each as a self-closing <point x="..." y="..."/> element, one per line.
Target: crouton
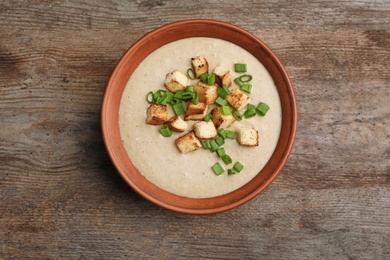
<point x="222" y="76"/>
<point x="207" y="94"/>
<point x="177" y="124"/>
<point x="248" y="136"/>
<point x="188" y="142"/>
<point x="156" y="114"/>
<point x="205" y="130"/>
<point x="196" y="112"/>
<point x="175" y="81"/>
<point x="237" y="99"/>
<point x="220" y="120"/>
<point x="227" y="79"/>
<point x="200" y="65"/>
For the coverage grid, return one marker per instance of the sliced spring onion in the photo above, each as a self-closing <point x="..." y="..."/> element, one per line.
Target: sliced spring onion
<point x="195" y="98"/>
<point x="245" y="78"/>
<point x="165" y="131"/>
<point x="190" y="88"/>
<point x="217" y="168"/>
<point x="226" y="88"/>
<point x="238" y="81"/>
<point x="178" y="108"/>
<point x="246" y="87"/>
<point x="221" y="152"/>
<point x="179" y="94"/>
<point x="219" y="140"/>
<point x="187" y="96"/>
<point x="237" y="115"/>
<point x="222" y="93"/>
<point x="225" y="110"/>
<point x="250" y="112"/>
<point x="226" y="159"/>
<point x="231" y="172"/>
<point x="191" y="73"/>
<point x="214" y="145"/>
<point x="149" y="97"/>
<point x="206" y="144"/>
<point x="164" y="99"/>
<point x="174" y="100"/>
<point x="211" y="79"/>
<point x="221" y="101"/>
<point x="203" y="77"/>
<point x="240" y="67"/>
<point x="238" y="166"/>
<point x="262" y="108"/>
<point x="231" y="134"/>
<point x="208" y="117"/>
<point x="222" y="133"/>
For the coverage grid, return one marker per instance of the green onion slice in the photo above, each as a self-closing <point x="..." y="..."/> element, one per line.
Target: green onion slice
<point x="195" y="98"/>
<point x="206" y="144"/>
<point x="225" y="110"/>
<point x="179" y="94"/>
<point x="203" y="77"/>
<point x="226" y="159"/>
<point x="221" y="101"/>
<point x="165" y="131"/>
<point x="238" y="167"/>
<point x="191" y="73"/>
<point x="240" y="67"/>
<point x="178" y="108"/>
<point x="208" y="117"/>
<point x="231" y="134"/>
<point x="222" y="93"/>
<point x="219" y="140"/>
<point x="250" y="112"/>
<point x="238" y="81"/>
<point x="246" y="87"/>
<point x="222" y="133"/>
<point x="149" y="97"/>
<point x="217" y="168"/>
<point x="237" y="115"/>
<point x="245" y="78"/>
<point x="221" y="152"/>
<point x="211" y="79"/>
<point x="226" y="88"/>
<point x="262" y="108"/>
<point x="231" y="172"/>
<point x="190" y="88"/>
<point x="214" y="145"/>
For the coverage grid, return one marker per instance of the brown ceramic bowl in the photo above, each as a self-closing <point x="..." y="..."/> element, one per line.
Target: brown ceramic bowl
<point x="122" y="73"/>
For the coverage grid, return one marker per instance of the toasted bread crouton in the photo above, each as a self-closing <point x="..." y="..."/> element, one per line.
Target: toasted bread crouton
<point x="205" y="130"/>
<point x="177" y="124"/>
<point x="175" y="81"/>
<point x="227" y="79"/>
<point x="207" y="94"/>
<point x="222" y="76"/>
<point x="200" y="65"/>
<point x="188" y="142"/>
<point x="248" y="136"/>
<point x="196" y="112"/>
<point x="220" y="120"/>
<point x="156" y="114"/>
<point x="237" y="99"/>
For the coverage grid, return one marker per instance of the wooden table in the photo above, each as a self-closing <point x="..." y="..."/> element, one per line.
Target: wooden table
<point x="62" y="198"/>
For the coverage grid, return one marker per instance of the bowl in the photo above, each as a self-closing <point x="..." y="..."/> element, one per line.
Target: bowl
<point x="129" y="62"/>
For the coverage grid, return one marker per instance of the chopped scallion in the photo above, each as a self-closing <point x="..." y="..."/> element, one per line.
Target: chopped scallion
<point x="226" y="88"/>
<point x="206" y="144"/>
<point x="222" y="93"/>
<point x="190" y="88"/>
<point x="165" y="131"/>
<point x="195" y="98"/>
<point x="222" y="133"/>
<point x="226" y="159"/>
<point x="246" y="87"/>
<point x="211" y="79"/>
<point x="221" y="101"/>
<point x="179" y="94"/>
<point x="208" y="117"/>
<point x="178" y="108"/>
<point x="214" y="145"/>
<point x="225" y="110"/>
<point x="221" y="152"/>
<point x="219" y="140"/>
<point x="262" y="108"/>
<point x="238" y="167"/>
<point x="231" y="134"/>
<point x="191" y="73"/>
<point x="237" y="115"/>
<point x="240" y="67"/>
<point x="245" y="78"/>
<point x="238" y="81"/>
<point x="203" y="77"/>
<point x="149" y="97"/>
<point x="250" y="112"/>
<point x="217" y="168"/>
<point x="231" y="172"/>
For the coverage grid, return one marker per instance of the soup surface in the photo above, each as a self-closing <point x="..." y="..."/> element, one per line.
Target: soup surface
<point x="158" y="158"/>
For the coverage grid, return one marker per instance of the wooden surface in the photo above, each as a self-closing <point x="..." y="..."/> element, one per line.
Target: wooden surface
<point x="62" y="198"/>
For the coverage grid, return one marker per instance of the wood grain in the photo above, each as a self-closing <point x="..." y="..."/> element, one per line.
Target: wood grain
<point x="62" y="198"/>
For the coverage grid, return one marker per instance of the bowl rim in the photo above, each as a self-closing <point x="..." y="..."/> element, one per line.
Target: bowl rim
<point x="122" y="72"/>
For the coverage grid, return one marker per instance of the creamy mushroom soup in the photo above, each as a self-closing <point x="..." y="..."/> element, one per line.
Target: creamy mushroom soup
<point x="158" y="158"/>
